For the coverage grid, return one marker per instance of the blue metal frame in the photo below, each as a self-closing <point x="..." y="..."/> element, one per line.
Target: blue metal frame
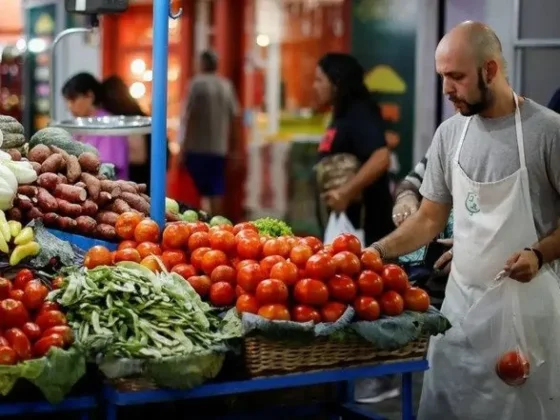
<point x="83" y="404"/>
<point x="82" y="242"/>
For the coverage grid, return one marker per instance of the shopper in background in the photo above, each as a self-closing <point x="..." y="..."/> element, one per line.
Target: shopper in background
<point x="554" y="103"/>
<point x="207" y="126"/>
<point x="85" y="97"/>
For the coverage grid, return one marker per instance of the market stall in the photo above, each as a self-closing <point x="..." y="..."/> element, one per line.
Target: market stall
<point x="157" y="299"/>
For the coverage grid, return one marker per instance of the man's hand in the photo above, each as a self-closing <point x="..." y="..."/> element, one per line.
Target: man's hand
<point x="443" y="262"/>
<point x="337" y="199"/>
<point x="407" y="204"/>
<point x="522" y="266"/>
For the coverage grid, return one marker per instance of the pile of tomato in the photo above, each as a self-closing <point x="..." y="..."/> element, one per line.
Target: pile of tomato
<point x="29" y="325"/>
<point x="285" y="278"/>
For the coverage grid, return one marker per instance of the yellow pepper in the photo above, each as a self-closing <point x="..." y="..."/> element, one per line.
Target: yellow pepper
<point x="4" y="245"/>
<point x="15" y="228"/>
<point x="21" y="252"/>
<point x="4" y="227"/>
<point x="25" y="236"/>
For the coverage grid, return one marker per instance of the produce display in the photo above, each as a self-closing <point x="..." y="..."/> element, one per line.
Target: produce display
<point x="17" y="242"/>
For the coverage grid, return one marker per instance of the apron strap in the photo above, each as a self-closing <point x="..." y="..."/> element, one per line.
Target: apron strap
<point x="461" y="140"/>
<point x="519" y="133"/>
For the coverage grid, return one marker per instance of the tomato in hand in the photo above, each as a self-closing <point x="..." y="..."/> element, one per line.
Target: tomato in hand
<point x="370" y="283"/>
<point x="285" y="271"/>
<point x="25" y="276"/>
<point x="244" y="226"/>
<point x="223" y="273"/>
<point x="129" y="254"/>
<point x="145" y="249"/>
<point x="42" y="346"/>
<point x="152" y="263"/>
<point x="127" y="244"/>
<point x="249" y="248"/>
<point x="249" y="276"/>
<point x="126" y="224"/>
<point x="271" y="291"/>
<point x="274" y="312"/>
<point x="222" y="240"/>
<point x="342" y="288"/>
<point x="17" y="294"/>
<point x="311" y="292"/>
<point x="176" y="236"/>
<point x="367" y="308"/>
<point x="48" y="319"/>
<point x="371" y="260"/>
<point x="64" y="331"/>
<point x="222" y="294"/>
<point x="13" y="313"/>
<point x="201" y="284"/>
<point x="268" y="262"/>
<point x="196" y="256"/>
<point x="184" y="270"/>
<point x="395" y="278"/>
<point x="304" y="313"/>
<point x="314" y="243"/>
<point x="392" y="303"/>
<point x="146" y="231"/>
<point x="19" y="342"/>
<point x="213" y="259"/>
<point x="32" y="331"/>
<point x="332" y="311"/>
<point x="300" y="254"/>
<point x="5" y="288"/>
<point x="34" y="294"/>
<point x="247" y="303"/>
<point x="513" y="368"/>
<point x="416" y="299"/>
<point x="347" y="242"/>
<point x="347" y="263"/>
<point x="320" y="267"/>
<point x="8" y="356"/>
<point x="199" y="240"/>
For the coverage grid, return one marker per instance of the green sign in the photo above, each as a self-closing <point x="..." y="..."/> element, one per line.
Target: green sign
<point x="384" y="41"/>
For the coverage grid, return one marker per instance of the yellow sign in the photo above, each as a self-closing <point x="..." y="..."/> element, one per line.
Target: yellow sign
<point x="44" y="25"/>
<point x="384" y="79"/>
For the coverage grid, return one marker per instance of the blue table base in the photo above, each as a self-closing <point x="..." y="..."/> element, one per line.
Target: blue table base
<point x="83" y="405"/>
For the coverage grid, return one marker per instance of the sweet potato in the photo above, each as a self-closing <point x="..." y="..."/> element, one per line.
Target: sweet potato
<point x="142" y="188"/>
<point x="70" y="193"/>
<point x="23" y="202"/>
<point x="86" y="225"/>
<point x="28" y="190"/>
<point x="46" y="202"/>
<point x="39" y="153"/>
<point x="67" y="223"/>
<point x="112" y="187"/>
<point x="48" y="181"/>
<point x="119" y="206"/>
<point x="93" y="185"/>
<point x="104" y="199"/>
<point x="136" y="202"/>
<point x="68" y="209"/>
<point x="54" y="163"/>
<point x="51" y="219"/>
<point x="146" y="197"/>
<point x="127" y="186"/>
<point x="36" y="167"/>
<point x="63" y="179"/>
<point x="15" y="214"/>
<point x="107" y="218"/>
<point x="73" y="169"/>
<point x="89" y="208"/>
<point x="34" y="213"/>
<point x="15" y="154"/>
<point x="89" y="163"/>
<point x="106" y="232"/>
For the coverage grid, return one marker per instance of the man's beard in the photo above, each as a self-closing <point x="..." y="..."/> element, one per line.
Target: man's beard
<point x="481" y="105"/>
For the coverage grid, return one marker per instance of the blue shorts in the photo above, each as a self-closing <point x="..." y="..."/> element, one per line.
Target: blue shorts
<point x="207" y="172"/>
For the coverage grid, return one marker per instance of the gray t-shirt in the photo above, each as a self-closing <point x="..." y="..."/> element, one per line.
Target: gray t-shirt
<point x="489" y="153"/>
<point x="211" y="106"/>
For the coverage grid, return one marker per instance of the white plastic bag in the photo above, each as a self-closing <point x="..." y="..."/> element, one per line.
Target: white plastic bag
<point x="339" y="224"/>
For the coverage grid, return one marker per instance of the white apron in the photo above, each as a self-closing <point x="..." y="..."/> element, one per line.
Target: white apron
<point x="492" y="221"/>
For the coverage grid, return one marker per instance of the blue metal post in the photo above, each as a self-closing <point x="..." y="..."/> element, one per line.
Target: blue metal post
<point x="159" y="111"/>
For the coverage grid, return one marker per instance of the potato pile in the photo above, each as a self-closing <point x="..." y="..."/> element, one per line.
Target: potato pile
<point x="70" y="195"/>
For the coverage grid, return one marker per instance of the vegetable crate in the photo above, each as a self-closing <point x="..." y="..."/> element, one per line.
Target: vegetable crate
<point x="265" y="357"/>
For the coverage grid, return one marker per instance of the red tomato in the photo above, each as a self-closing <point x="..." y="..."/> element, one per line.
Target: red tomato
<point x="128" y="254"/>
<point x="395" y="278"/>
<point x="64" y="331"/>
<point x="239" y="291"/>
<point x="247" y="303"/>
<point x="13" y="313"/>
<point x="199" y="240"/>
<point x="223" y="273"/>
<point x="48" y="319"/>
<point x="370" y="283"/>
<point x="416" y="299"/>
<point x="222" y="240"/>
<point x="347" y="263"/>
<point x="222" y="294"/>
<point x="146" y="231"/>
<point x="127" y="244"/>
<point x="145" y="249"/>
<point x="271" y="291"/>
<point x="311" y="292"/>
<point x="213" y="259"/>
<point x="247" y="234"/>
<point x="201" y="284"/>
<point x="184" y="270"/>
<point x="371" y="260"/>
<point x="249" y="248"/>
<point x="152" y="263"/>
<point x="268" y="262"/>
<point x="244" y="226"/>
<point x="34" y="294"/>
<point x="274" y="312"/>
<point x="126" y="224"/>
<point x="320" y="267"/>
<point x="42" y="346"/>
<point x="50" y="306"/>
<point x="342" y="288"/>
<point x="8" y="356"/>
<point x="32" y="331"/>
<point x="367" y="308"/>
<point x="513" y="368"/>
<point x="347" y="242"/>
<point x="58" y="282"/>
<point x="19" y="342"/>
<point x="17" y="294"/>
<point x="249" y="276"/>
<point x="5" y="288"/>
<point x="243" y="263"/>
<point x="314" y="243"/>
<point x="25" y="276"/>
<point x="277" y="246"/>
<point x="304" y="313"/>
<point x="198" y="227"/>
<point x="196" y="256"/>
<point x="332" y="311"/>
<point x="3" y="342"/>
<point x="176" y="235"/>
<point x="392" y="303"/>
<point x="285" y="271"/>
<point x="300" y="254"/>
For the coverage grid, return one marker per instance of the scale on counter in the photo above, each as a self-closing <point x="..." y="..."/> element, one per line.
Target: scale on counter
<point x="118" y="125"/>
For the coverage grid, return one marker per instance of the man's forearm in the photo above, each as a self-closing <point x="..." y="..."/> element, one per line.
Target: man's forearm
<point x="549" y="246"/>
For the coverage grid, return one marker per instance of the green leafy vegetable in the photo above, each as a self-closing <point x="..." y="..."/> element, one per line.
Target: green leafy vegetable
<point x="273" y="227"/>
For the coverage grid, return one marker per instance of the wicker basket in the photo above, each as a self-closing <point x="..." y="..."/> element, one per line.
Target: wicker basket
<point x="265" y="357"/>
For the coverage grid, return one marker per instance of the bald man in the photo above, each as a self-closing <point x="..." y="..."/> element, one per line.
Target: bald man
<point x="496" y="162"/>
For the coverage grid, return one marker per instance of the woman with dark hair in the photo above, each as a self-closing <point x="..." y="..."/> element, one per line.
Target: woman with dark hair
<point x="85" y="97"/>
<point x="357" y="134"/>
